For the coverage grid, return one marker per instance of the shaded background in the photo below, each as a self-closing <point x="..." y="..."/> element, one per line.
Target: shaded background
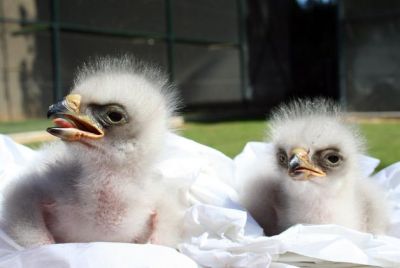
<point x="227" y="57"/>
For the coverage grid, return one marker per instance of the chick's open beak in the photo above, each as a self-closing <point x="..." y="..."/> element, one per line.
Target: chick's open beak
<point x="300" y="166"/>
<point x="71" y="125"/>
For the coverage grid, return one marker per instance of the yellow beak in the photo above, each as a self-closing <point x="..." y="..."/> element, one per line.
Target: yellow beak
<point x="301" y="167"/>
<point x="71" y="125"/>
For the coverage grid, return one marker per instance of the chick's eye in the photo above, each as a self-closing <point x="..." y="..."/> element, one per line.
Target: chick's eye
<point x="333" y="159"/>
<point x="114" y="117"/>
<point x="282" y="158"/>
<point x="109" y="115"/>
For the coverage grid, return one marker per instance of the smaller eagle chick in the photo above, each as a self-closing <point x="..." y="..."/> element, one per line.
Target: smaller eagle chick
<point x="98" y="182"/>
<point x="313" y="175"/>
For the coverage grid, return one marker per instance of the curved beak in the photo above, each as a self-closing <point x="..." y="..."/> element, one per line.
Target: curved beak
<point x="301" y="167"/>
<point x="71" y="125"/>
<point x="70" y="103"/>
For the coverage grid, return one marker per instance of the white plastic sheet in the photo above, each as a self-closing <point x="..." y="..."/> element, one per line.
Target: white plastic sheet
<point x="299" y="246"/>
<point x="220" y="232"/>
<point x="13" y="158"/>
<point x="221" y="241"/>
<point x="389" y="179"/>
<point x="99" y="255"/>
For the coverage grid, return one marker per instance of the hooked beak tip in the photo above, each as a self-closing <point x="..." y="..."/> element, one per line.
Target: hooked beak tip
<point x="300" y="165"/>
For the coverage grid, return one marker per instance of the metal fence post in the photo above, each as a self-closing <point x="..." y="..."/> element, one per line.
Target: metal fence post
<point x="170" y="37"/>
<point x="243" y="50"/>
<point x="55" y="41"/>
<point x="342" y="55"/>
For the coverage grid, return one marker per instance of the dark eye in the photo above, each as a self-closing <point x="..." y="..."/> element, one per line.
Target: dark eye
<point x="109" y="115"/>
<point x="330" y="158"/>
<point x="333" y="159"/>
<point x="282" y="158"/>
<point x="115" y="117"/>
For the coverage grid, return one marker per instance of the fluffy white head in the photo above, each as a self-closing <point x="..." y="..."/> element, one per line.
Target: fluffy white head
<point x="316" y="126"/>
<point x="140" y="92"/>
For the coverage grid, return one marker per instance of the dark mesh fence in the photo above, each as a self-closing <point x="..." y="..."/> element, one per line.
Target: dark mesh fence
<point x="371" y="55"/>
<point x="43" y="41"/>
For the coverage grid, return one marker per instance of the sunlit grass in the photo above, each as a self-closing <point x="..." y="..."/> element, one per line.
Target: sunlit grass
<point x="228" y="137"/>
<point x="383" y="142"/>
<point x="383" y="139"/>
<point x="23" y="126"/>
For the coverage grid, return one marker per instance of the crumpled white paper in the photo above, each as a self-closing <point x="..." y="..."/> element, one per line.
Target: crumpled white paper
<point x="223" y="245"/>
<point x="221" y="241"/>
<point x="389" y="180"/>
<point x="219" y="232"/>
<point x="13" y="157"/>
<point x="99" y="254"/>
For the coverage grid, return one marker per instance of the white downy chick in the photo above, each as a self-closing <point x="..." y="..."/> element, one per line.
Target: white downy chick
<point x="98" y="183"/>
<point x="313" y="176"/>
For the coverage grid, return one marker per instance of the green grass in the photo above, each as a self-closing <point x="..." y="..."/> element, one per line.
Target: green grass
<point x="227" y="137"/>
<point x="383" y="139"/>
<point x="383" y="142"/>
<point x="230" y="137"/>
<point x="22" y="126"/>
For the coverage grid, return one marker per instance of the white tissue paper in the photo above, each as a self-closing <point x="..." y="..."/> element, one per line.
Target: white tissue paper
<point x="220" y="237"/>
<point x="13" y="157"/>
<point x="220" y="232"/>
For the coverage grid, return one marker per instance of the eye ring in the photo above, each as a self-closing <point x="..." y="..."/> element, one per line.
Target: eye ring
<point x="109" y="115"/>
<point x="331" y="159"/>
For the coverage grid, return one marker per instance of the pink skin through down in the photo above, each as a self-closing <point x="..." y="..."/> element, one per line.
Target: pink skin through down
<point x="109" y="214"/>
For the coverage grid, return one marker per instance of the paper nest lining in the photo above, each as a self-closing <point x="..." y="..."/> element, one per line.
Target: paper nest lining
<point x="221" y="233"/>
